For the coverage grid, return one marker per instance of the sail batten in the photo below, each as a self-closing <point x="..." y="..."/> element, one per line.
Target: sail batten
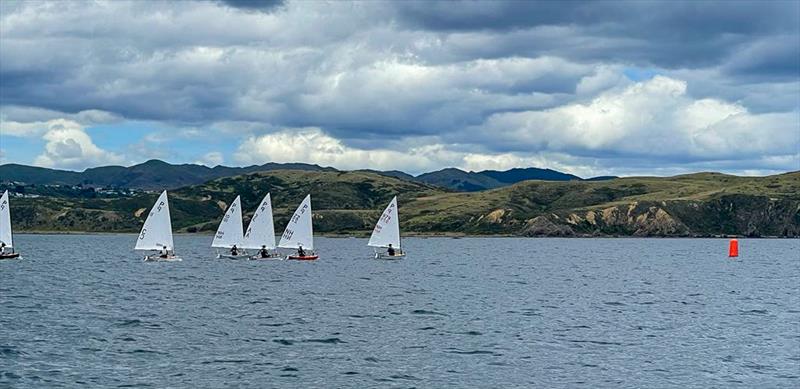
<point x="387" y="229"/>
<point x="261" y="231"/>
<point x="229" y="232"/>
<point x="156" y="233"/>
<point x="5" y="221"/>
<point x="299" y="231"/>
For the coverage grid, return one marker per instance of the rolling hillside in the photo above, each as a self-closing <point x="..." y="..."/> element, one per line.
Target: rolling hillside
<point x="702" y="204"/>
<point x="342" y="201"/>
<point x="705" y="204"/>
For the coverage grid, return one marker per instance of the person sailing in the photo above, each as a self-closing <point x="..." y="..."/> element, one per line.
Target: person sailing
<point x="300" y="251"/>
<point x="390" y="250"/>
<point x="263" y="252"/>
<point x="2" y="247"/>
<point x="234" y="251"/>
<point x="164" y="253"/>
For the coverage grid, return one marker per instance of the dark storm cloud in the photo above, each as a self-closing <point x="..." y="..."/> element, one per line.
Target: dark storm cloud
<point x="664" y="34"/>
<point x="680" y="19"/>
<point x="400" y="73"/>
<point x="257" y="5"/>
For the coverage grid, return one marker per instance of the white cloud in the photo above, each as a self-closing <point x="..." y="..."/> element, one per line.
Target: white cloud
<point x="312" y="145"/>
<point x="70" y="147"/>
<point x="604" y="77"/>
<point x="654" y="118"/>
<point x="211" y="159"/>
<point x="33" y="122"/>
<point x="30" y="129"/>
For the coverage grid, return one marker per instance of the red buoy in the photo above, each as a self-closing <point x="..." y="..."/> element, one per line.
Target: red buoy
<point x="733" y="248"/>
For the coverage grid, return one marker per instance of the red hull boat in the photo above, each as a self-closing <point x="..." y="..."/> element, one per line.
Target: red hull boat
<point x="304" y="257"/>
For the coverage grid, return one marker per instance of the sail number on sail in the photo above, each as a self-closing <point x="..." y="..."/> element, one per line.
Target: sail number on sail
<point x="295" y="218"/>
<point x="255" y="216"/>
<point x="385" y="219"/>
<point x="231" y="210"/>
<point x="155" y="210"/>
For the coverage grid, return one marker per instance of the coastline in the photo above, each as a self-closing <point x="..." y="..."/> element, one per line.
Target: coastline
<point x="452" y="235"/>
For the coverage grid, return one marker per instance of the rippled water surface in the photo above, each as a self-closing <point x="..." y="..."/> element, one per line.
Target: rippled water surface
<point x="455" y="313"/>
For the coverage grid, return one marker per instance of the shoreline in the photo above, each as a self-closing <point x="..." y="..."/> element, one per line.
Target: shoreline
<point x="424" y="235"/>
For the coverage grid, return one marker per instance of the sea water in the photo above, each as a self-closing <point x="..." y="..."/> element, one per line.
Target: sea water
<point x="84" y="310"/>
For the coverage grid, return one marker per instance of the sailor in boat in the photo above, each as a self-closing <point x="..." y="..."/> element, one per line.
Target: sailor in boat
<point x="234" y="251"/>
<point x="300" y="251"/>
<point x="390" y="250"/>
<point x="164" y="253"/>
<point x="263" y="252"/>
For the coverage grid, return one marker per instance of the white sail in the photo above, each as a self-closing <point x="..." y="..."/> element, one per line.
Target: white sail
<point x="229" y="232"/>
<point x="299" y="231"/>
<point x="387" y="230"/>
<point x="157" y="230"/>
<point x="261" y="231"/>
<point x="5" y="221"/>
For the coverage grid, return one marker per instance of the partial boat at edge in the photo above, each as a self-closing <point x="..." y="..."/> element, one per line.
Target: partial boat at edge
<point x="6" y="237"/>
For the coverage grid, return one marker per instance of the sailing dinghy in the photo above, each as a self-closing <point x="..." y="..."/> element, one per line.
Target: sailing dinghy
<point x="260" y="234"/>
<point x="229" y="233"/>
<point x="157" y="233"/>
<point x="299" y="233"/>
<point x="387" y="234"/>
<point x="6" y="241"/>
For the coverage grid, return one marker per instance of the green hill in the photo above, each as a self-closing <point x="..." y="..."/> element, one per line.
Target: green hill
<point x="697" y="204"/>
<point x="703" y="204"/>
<point x="342" y="201"/>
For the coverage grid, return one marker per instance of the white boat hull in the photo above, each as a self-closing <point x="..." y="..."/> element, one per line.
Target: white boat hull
<point x="158" y="258"/>
<point x="390" y="257"/>
<point x="271" y="256"/>
<point x="234" y="257"/>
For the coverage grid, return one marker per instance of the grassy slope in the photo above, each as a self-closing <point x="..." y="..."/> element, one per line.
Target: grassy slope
<point x="342" y="201"/>
<point x="347" y="202"/>
<point x="468" y="212"/>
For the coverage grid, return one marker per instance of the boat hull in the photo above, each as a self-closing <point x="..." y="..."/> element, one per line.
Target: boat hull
<point x="303" y="258"/>
<point x="9" y="256"/>
<point x="234" y="257"/>
<point x="158" y="258"/>
<point x="390" y="257"/>
<point x="268" y="258"/>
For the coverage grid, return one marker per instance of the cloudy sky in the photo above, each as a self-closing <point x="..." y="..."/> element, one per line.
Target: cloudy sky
<point x="589" y="88"/>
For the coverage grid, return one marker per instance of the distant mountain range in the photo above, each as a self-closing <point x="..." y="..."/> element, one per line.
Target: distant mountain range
<point x="155" y="174"/>
<point x="151" y="175"/>
<point x="462" y="181"/>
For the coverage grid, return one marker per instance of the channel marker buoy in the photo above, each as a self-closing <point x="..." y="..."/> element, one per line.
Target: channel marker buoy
<point x="733" y="248"/>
